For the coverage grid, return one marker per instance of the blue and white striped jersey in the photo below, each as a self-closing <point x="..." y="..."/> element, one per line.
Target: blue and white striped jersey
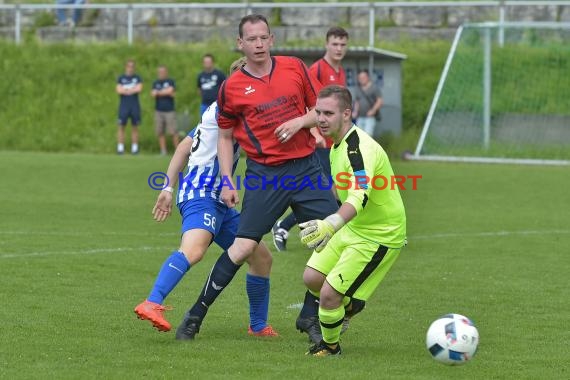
<point x="203" y="180"/>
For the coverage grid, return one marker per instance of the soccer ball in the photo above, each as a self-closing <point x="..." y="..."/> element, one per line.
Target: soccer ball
<point x="452" y="339"/>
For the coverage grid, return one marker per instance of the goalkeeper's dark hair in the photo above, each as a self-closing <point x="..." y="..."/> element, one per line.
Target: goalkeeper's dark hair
<point x="340" y="93"/>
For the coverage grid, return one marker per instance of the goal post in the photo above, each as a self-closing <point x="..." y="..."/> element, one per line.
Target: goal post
<point x="503" y="97"/>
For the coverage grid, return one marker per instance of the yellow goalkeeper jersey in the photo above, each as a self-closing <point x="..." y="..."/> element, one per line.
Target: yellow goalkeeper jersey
<point x="363" y="177"/>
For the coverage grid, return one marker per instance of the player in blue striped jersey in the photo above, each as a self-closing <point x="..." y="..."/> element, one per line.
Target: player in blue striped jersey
<point x="202" y="179"/>
<point x="205" y="218"/>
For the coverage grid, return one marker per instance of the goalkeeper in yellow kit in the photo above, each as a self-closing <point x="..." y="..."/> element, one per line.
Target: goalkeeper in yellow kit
<point x="356" y="246"/>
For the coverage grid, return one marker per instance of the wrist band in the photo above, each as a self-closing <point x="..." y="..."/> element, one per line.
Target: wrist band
<point x="168" y="189"/>
<point x="336" y="221"/>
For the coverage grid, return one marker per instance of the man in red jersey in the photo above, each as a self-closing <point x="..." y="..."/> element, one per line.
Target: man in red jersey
<point x="264" y="107"/>
<point x="328" y="70"/>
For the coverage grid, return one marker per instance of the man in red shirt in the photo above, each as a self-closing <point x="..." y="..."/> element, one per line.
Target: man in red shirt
<point x="264" y="107"/>
<point x="328" y="70"/>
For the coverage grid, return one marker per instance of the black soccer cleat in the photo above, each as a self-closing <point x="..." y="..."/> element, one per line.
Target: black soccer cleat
<point x="280" y="236"/>
<point x="354" y="307"/>
<point x="311" y="326"/>
<point x="345" y="325"/>
<point x="322" y="349"/>
<point x="189" y="327"/>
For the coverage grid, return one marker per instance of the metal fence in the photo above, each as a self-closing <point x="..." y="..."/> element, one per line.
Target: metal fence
<point x="246" y="7"/>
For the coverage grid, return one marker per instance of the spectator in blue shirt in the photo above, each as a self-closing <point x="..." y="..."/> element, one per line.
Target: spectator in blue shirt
<point x="163" y="91"/>
<point x="129" y="85"/>
<point x="209" y="82"/>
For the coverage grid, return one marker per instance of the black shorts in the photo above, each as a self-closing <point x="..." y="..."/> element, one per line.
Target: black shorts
<point x="324" y="158"/>
<point x="270" y="190"/>
<point x="126" y="113"/>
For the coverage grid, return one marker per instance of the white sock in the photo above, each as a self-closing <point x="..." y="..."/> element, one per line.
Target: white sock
<point x="120" y="147"/>
<point x="134" y="148"/>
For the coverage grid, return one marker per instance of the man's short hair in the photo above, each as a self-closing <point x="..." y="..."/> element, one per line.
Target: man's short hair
<point x="337" y="31"/>
<point x="255" y="18"/>
<point x="208" y="55"/>
<point x="340" y="93"/>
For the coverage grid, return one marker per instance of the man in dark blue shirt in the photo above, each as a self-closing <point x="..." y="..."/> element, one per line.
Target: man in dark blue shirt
<point x="129" y="85"/>
<point x="163" y="91"/>
<point x="209" y="82"/>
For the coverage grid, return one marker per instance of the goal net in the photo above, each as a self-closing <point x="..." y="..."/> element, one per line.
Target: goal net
<point x="504" y="96"/>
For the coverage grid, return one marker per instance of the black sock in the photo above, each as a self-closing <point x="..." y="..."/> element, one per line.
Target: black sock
<point x="288" y="222"/>
<point x="310" y="306"/>
<point x="220" y="276"/>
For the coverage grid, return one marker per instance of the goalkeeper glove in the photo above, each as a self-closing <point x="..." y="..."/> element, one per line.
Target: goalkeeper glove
<point x="315" y="234"/>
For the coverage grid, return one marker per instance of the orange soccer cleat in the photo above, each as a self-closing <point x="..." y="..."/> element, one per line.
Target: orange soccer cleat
<point x="266" y="331"/>
<point x="153" y="312"/>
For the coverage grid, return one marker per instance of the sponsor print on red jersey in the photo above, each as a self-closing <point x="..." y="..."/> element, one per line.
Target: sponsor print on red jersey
<point x="255" y="107"/>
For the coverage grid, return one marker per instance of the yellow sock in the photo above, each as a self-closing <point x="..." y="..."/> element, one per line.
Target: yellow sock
<point x="331" y="324"/>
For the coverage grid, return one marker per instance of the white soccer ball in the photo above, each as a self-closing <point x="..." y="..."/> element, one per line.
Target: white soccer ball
<point x="452" y="339"/>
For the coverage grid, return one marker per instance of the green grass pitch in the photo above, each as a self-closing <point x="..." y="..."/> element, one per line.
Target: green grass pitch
<point x="79" y="249"/>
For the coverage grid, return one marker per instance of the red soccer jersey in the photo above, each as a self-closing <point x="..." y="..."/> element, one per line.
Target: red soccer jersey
<point x="255" y="107"/>
<point x="327" y="75"/>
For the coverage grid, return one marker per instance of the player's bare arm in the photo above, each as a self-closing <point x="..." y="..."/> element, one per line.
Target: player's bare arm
<point x="285" y="131"/>
<point x="168" y="91"/>
<point x="163" y="207"/>
<point x="225" y="157"/>
<point x="376" y="107"/>
<point x="138" y="88"/>
<point x="320" y="141"/>
<point x="121" y="90"/>
<point x="347" y="212"/>
<point x="355" y="109"/>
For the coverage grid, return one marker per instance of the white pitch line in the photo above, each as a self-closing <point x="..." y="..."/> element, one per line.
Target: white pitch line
<point x="78" y="252"/>
<point x="489" y="234"/>
<point x="418" y="237"/>
<point x="427" y="236"/>
<point x="109" y="233"/>
<point x="146" y="248"/>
